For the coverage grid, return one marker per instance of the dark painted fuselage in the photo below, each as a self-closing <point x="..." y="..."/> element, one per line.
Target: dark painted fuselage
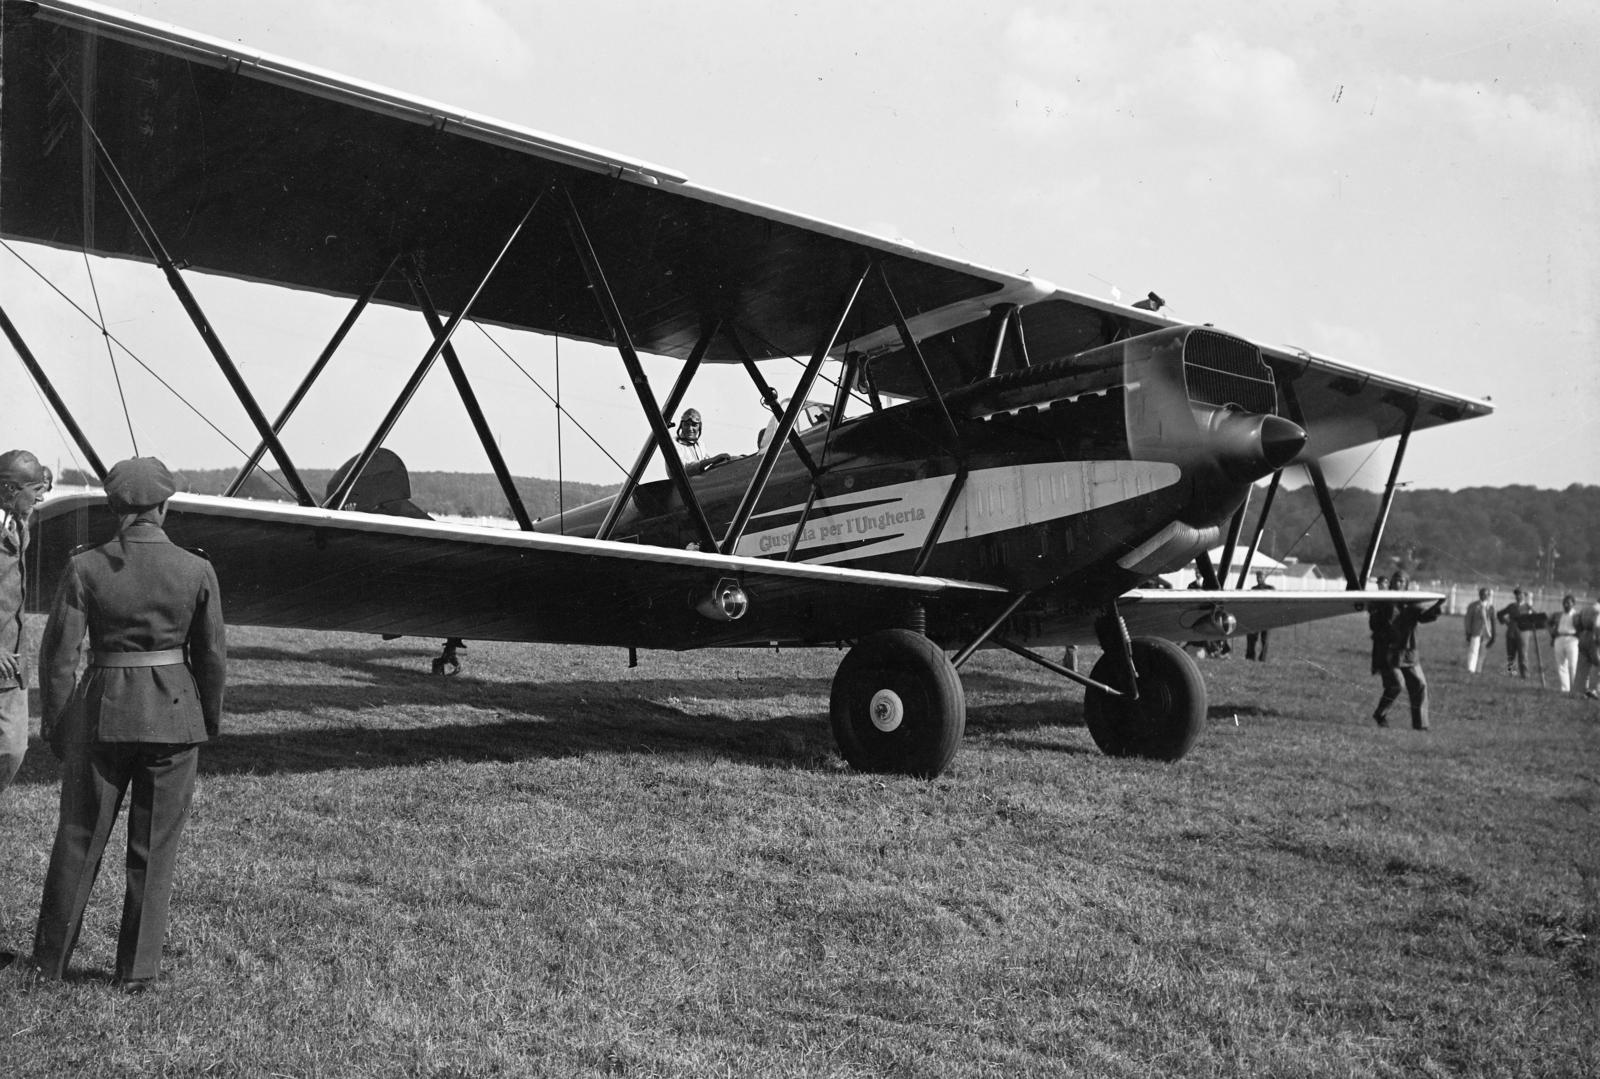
<point x="1127" y="467"/>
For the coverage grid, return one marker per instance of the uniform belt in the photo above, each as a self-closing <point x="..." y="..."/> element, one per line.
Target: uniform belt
<point x="169" y="657"/>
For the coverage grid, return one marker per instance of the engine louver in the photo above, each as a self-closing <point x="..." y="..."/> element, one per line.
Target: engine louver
<point x="1226" y="372"/>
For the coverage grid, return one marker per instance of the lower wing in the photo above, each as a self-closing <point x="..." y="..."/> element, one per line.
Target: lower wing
<point x="298" y="567"/>
<point x="1193" y="615"/>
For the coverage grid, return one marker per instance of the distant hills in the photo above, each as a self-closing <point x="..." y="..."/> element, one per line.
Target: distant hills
<point x="1500" y="535"/>
<point x="1496" y="535"/>
<point x="452" y="494"/>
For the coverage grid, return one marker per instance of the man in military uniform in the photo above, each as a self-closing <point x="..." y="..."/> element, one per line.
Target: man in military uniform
<point x="1518" y="640"/>
<point x="1395" y="654"/>
<point x="151" y="693"/>
<point x="23" y="481"/>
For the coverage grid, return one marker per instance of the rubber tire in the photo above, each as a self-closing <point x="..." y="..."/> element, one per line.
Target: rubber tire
<point x="1169" y="715"/>
<point x="934" y="702"/>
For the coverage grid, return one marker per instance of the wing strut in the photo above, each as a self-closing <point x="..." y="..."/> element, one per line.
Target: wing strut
<point x="191" y="306"/>
<point x="1324" y="499"/>
<point x="932" y="389"/>
<point x="409" y="390"/>
<point x="1382" y="519"/>
<point x="768" y="396"/>
<point x="1235" y="526"/>
<point x="480" y="423"/>
<point x="641" y="383"/>
<point x="1000" y="319"/>
<point x="769" y="457"/>
<point x="841" y="397"/>
<point x="1261" y="527"/>
<point x="54" y="398"/>
<point x="311" y="377"/>
<point x="708" y="333"/>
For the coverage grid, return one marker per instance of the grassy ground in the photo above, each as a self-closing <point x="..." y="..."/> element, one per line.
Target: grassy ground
<point x="555" y="865"/>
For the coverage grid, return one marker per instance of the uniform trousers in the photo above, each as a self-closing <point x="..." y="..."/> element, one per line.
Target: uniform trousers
<point x="1517" y="653"/>
<point x="1416" y="689"/>
<point x="94" y="779"/>
<point x="13" y="733"/>
<point x="1565" y="648"/>
<point x="1477" y="649"/>
<point x="1253" y="642"/>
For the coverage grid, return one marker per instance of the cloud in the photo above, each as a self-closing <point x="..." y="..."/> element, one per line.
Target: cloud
<point x="1212" y="96"/>
<point x="1346" y="343"/>
<point x="1561" y="133"/>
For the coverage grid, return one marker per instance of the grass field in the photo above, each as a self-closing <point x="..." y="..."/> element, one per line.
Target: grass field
<point x="556" y="865"/>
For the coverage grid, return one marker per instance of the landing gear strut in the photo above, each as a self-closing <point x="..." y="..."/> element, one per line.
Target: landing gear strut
<point x="1166" y="717"/>
<point x="447" y="663"/>
<point x="898" y="705"/>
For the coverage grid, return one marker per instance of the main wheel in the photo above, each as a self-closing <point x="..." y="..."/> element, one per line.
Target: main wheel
<point x="1169" y="714"/>
<point x="898" y="705"/>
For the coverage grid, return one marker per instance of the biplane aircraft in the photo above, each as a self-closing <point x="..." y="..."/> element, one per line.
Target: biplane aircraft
<point x="1021" y="460"/>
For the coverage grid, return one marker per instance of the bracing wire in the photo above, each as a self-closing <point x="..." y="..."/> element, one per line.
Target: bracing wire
<point x="1334" y="499"/>
<point x="801" y="363"/>
<point x="546" y="392"/>
<point x="110" y="355"/>
<point x="135" y="358"/>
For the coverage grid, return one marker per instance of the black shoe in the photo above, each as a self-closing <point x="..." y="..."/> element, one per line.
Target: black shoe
<point x="6" y="959"/>
<point x="1419" y="727"/>
<point x="133" y="986"/>
<point x="1380" y="721"/>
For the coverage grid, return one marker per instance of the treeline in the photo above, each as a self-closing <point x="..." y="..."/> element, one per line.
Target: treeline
<point x="1492" y="535"/>
<point x="453" y="494"/>
<point x="1496" y="535"/>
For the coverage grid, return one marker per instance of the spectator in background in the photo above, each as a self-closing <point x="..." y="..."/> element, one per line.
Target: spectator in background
<point x="1252" y="640"/>
<point x="1480" y="623"/>
<point x="1517" y="640"/>
<point x="23" y="482"/>
<point x="1588" y="624"/>
<point x="1564" y="641"/>
<point x="1400" y="656"/>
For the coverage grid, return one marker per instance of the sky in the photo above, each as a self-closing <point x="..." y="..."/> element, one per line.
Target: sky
<point x="1412" y="187"/>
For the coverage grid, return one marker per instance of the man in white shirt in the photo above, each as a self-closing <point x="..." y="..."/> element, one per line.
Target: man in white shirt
<point x="1564" y="641"/>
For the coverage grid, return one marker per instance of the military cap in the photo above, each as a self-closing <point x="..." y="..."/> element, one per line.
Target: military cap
<point x="137" y="484"/>
<point x="20" y="466"/>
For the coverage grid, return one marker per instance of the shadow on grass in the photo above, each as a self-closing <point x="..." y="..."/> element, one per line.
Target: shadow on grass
<point x="373" y="722"/>
<point x="804" y="742"/>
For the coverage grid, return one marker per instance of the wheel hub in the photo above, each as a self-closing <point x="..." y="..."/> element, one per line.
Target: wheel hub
<point x="887" y="710"/>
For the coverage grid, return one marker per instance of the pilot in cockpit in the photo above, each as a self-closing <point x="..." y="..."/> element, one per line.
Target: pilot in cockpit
<point x="688" y="434"/>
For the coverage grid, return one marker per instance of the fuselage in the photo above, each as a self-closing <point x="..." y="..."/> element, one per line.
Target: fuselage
<point x="1084" y="477"/>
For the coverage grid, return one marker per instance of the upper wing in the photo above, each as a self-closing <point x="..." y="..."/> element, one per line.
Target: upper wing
<point x="1344" y="405"/>
<point x="260" y="168"/>
<point x="282" y="565"/>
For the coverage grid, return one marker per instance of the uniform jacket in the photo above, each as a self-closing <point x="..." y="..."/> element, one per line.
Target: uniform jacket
<point x="1398" y="642"/>
<point x="137" y="593"/>
<point x="1508" y="614"/>
<point x="1480" y="620"/>
<point x="13" y="542"/>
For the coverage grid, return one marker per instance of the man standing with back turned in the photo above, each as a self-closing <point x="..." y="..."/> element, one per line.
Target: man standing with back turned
<point x="151" y="693"/>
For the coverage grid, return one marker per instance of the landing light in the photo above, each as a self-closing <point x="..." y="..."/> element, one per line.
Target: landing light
<point x="726" y="601"/>
<point x="1219" y="621"/>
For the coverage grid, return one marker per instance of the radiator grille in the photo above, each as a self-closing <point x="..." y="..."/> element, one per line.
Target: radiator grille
<point x="1226" y="372"/>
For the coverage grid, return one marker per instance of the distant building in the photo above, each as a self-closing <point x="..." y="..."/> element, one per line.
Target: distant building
<point x="1289" y="575"/>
